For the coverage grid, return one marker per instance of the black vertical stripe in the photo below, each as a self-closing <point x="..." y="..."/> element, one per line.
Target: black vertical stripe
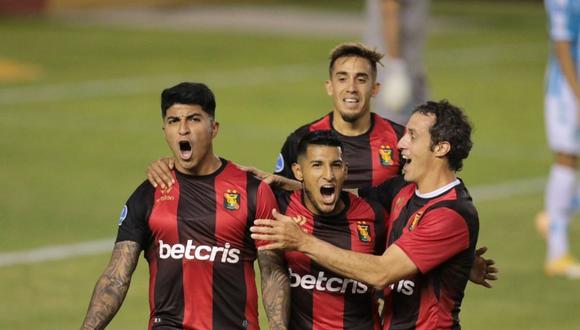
<point x="304" y="299"/>
<point x="252" y="195"/>
<point x="357" y="152"/>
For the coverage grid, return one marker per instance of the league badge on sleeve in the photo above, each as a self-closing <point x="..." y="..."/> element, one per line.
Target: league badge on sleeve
<point x="364" y="233"/>
<point x="279" y="164"/>
<point x="123" y="215"/>
<point x="232" y="200"/>
<point x="386" y="155"/>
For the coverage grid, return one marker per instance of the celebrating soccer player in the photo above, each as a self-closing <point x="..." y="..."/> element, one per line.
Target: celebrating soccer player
<point x="195" y="235"/>
<point x="320" y="298"/>
<point x="369" y="141"/>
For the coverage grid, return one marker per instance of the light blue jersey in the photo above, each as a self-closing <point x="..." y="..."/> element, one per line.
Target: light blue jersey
<point x="561" y="103"/>
<point x="564" y="25"/>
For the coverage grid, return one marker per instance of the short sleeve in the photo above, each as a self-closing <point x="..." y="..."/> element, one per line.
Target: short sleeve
<point x="441" y="234"/>
<point x="133" y="222"/>
<point x="560" y="22"/>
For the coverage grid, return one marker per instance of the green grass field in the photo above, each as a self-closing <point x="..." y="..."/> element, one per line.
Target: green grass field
<point x="75" y="143"/>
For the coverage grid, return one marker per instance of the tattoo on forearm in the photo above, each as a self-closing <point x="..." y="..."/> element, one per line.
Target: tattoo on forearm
<point x="275" y="289"/>
<point x="112" y="286"/>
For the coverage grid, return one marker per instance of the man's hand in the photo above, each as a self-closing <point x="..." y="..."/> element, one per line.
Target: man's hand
<point x="159" y="173"/>
<point x="273" y="180"/>
<point x="483" y="270"/>
<point x="267" y="177"/>
<point x="284" y="232"/>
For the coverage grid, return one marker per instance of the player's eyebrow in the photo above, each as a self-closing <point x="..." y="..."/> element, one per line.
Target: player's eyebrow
<point x="188" y="116"/>
<point x="362" y="74"/>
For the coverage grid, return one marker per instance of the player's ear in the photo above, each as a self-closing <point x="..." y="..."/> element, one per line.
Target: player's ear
<point x="215" y="127"/>
<point x="328" y="86"/>
<point x="442" y="149"/>
<point x="297" y="170"/>
<point x="376" y="89"/>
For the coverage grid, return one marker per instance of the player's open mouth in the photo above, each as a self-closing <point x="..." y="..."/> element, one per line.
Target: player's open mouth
<point x="328" y="192"/>
<point x="406" y="161"/>
<point x="185" y="150"/>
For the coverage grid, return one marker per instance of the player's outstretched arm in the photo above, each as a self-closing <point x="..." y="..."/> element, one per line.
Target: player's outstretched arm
<point x="483" y="270"/>
<point x="379" y="271"/>
<point x="112" y="286"/>
<point x="275" y="288"/>
<point x="159" y="172"/>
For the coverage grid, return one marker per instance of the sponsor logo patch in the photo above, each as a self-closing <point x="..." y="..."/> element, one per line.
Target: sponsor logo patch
<point x="386" y="155"/>
<point x="190" y="251"/>
<point x="232" y="199"/>
<point x="123" y="215"/>
<point x="322" y="282"/>
<point x="363" y="229"/>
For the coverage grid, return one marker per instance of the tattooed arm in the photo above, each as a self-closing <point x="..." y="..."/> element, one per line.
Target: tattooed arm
<point x="112" y="286"/>
<point x="275" y="288"/>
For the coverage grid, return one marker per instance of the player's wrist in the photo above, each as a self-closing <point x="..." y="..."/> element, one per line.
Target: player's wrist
<point x="307" y="244"/>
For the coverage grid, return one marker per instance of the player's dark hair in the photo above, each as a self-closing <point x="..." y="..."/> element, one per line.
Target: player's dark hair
<point x="451" y="125"/>
<point x="188" y="93"/>
<point x="352" y="49"/>
<point x="319" y="138"/>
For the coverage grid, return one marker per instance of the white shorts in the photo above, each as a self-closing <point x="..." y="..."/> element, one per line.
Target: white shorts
<point x="562" y="122"/>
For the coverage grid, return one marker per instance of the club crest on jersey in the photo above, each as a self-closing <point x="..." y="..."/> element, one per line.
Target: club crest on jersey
<point x="386" y="155"/>
<point x="363" y="230"/>
<point x="415" y="221"/>
<point x="232" y="199"/>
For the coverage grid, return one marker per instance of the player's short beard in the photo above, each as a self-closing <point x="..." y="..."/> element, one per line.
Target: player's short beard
<point x="353" y="117"/>
<point x="308" y="194"/>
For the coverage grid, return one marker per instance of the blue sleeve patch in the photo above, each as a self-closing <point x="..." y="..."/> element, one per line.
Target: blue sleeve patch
<point x="123" y="215"/>
<point x="279" y="164"/>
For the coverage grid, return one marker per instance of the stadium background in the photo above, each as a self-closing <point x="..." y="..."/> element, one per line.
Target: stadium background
<point x="80" y="120"/>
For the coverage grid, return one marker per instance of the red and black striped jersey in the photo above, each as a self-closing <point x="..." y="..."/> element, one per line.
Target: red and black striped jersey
<point x="197" y="242"/>
<point x="372" y="157"/>
<point x="439" y="234"/>
<point x="321" y="299"/>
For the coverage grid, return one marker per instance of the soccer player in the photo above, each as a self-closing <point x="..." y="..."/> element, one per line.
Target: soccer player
<point x="398" y="28"/>
<point x="195" y="235"/>
<point x="320" y="298"/>
<point x="433" y="227"/>
<point x="562" y="119"/>
<point x="369" y="141"/>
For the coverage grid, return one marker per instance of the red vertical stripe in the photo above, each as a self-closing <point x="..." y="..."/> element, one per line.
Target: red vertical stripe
<point x="197" y="278"/>
<point x="326" y="305"/>
<point x="163" y="224"/>
<point x="428" y="308"/>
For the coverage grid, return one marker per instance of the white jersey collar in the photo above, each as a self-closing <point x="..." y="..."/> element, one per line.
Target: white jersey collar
<point x="438" y="191"/>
